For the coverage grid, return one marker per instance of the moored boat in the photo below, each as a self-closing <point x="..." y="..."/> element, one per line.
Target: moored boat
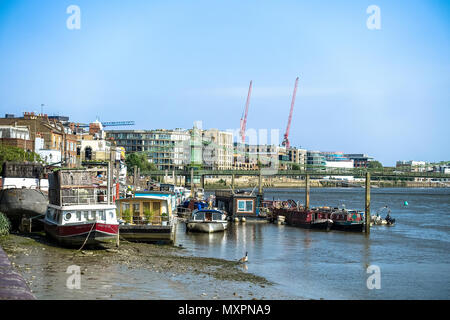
<point x="147" y="217"/>
<point x="207" y="220"/>
<point x="308" y="219"/>
<point x="347" y="220"/>
<point x="82" y="224"/>
<point x="81" y="210"/>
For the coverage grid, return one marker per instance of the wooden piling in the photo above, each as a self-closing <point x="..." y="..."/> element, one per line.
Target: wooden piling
<point x="367" y="212"/>
<point x="307" y="192"/>
<point x="260" y="189"/>
<point x="202" y="181"/>
<point x="134" y="178"/>
<point x="192" y="184"/>
<point x="232" y="181"/>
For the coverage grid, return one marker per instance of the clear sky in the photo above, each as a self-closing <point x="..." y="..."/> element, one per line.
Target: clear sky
<point x="165" y="64"/>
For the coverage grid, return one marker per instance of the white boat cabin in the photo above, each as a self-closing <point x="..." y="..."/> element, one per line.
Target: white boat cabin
<point x="81" y="214"/>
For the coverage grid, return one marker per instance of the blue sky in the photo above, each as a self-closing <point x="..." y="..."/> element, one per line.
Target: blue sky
<point x="165" y="64"/>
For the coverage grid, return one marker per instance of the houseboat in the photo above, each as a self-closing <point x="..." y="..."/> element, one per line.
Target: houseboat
<point x="240" y="205"/>
<point x="23" y="191"/>
<point x="81" y="210"/>
<point x="207" y="220"/>
<point x="347" y="220"/>
<point x="147" y="217"/>
<point x="308" y="219"/>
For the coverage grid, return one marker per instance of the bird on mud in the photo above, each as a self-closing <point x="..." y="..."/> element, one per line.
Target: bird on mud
<point x="244" y="259"/>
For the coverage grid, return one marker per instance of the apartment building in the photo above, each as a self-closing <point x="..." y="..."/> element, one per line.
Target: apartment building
<point x="167" y="149"/>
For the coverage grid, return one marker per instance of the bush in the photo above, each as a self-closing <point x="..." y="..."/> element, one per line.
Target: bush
<point x="126" y="215"/>
<point x="5" y="225"/>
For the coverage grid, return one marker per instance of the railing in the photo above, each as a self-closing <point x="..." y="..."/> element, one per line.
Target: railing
<point x="311" y="170"/>
<point x="155" y="220"/>
<point x="85" y="197"/>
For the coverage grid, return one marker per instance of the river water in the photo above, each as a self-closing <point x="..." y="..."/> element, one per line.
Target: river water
<point x="413" y="256"/>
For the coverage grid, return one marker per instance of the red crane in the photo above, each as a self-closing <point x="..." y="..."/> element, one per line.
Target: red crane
<point x="286" y="135"/>
<point x="244" y="120"/>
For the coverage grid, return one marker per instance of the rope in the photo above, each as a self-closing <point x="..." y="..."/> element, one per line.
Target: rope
<point x="93" y="224"/>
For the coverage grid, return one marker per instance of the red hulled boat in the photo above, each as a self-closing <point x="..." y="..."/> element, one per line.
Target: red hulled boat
<point x="81" y="210"/>
<point x="83" y="224"/>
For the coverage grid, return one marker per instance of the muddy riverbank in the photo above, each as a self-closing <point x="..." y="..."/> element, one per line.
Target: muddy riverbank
<point x="132" y="271"/>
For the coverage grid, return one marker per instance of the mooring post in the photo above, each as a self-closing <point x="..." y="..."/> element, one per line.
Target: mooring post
<point x="202" y="180"/>
<point x="192" y="183"/>
<point x="134" y="178"/>
<point x="367" y="213"/>
<point x="232" y="181"/>
<point x="307" y="192"/>
<point x="260" y="189"/>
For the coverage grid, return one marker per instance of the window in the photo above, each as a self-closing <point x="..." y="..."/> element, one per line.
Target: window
<point x="245" y="205"/>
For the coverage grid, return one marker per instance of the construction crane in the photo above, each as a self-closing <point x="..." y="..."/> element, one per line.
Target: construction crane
<point x="109" y="124"/>
<point x="244" y="119"/>
<point x="286" y="135"/>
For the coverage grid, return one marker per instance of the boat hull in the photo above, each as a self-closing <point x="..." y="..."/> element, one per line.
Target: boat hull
<point x="318" y="225"/>
<point x="78" y="234"/>
<point x="348" y="226"/>
<point x="22" y="203"/>
<point x="146" y="233"/>
<point x="207" y="227"/>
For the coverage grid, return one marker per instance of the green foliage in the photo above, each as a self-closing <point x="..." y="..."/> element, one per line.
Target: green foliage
<point x="148" y="214"/>
<point x="375" y="165"/>
<point x="140" y="160"/>
<point x="9" y="153"/>
<point x="295" y="166"/>
<point x="5" y="225"/>
<point x="126" y="215"/>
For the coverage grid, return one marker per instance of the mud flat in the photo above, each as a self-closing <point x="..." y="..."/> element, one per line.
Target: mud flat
<point x="132" y="271"/>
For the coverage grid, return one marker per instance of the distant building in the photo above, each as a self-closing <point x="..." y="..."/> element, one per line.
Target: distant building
<point x="314" y="160"/>
<point x="16" y="136"/>
<point x="167" y="149"/>
<point x="55" y="135"/>
<point x="413" y="166"/>
<point x="360" y="160"/>
<point x="217" y="149"/>
<point x="298" y="156"/>
<point x="247" y="157"/>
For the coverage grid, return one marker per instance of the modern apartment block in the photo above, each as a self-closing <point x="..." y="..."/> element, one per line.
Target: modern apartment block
<point x="217" y="149"/>
<point x="167" y="149"/>
<point x="247" y="157"/>
<point x="298" y="156"/>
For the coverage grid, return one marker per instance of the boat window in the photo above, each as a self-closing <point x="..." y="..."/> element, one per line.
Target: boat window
<point x="79" y="215"/>
<point x="245" y="205"/>
<point x="199" y="216"/>
<point x="111" y="214"/>
<point x="91" y="215"/>
<point x="86" y="215"/>
<point x="67" y="216"/>
<point x="103" y="214"/>
<point x="136" y="208"/>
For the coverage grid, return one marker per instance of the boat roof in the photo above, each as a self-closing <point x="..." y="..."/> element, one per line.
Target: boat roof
<point x="84" y="207"/>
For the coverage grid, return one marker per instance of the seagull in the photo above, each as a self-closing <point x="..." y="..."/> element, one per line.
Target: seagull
<point x="244" y="259"/>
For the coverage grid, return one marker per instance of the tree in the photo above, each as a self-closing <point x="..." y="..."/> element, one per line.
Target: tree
<point x="295" y="166"/>
<point x="139" y="160"/>
<point x="375" y="165"/>
<point x="9" y="153"/>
